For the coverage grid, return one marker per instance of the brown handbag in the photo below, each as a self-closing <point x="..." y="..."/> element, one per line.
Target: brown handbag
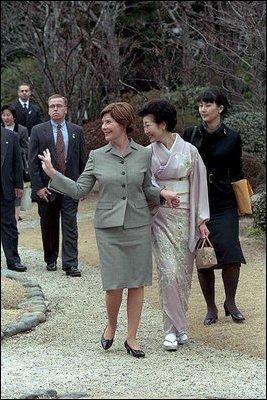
<point x="205" y="256"/>
<point x="243" y="193"/>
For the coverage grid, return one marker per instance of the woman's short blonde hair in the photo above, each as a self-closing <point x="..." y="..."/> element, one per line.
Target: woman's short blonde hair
<point x="123" y="113"/>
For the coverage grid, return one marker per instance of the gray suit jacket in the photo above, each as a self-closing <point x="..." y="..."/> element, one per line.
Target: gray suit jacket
<point x="22" y="133"/>
<point x="124" y="186"/>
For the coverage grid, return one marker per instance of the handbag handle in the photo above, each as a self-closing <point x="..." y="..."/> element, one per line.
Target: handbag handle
<point x="201" y="243"/>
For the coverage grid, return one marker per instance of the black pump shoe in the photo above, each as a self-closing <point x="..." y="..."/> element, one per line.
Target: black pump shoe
<point x="106" y="343"/>
<point x="236" y="317"/>
<point x="135" y="353"/>
<point x="210" y="320"/>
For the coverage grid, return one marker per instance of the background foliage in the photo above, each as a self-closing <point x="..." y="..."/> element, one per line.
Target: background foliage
<point x="95" y="52"/>
<point x="251" y="126"/>
<point x="259" y="212"/>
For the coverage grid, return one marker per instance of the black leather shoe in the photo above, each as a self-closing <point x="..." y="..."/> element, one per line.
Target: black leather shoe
<point x="135" y="353"/>
<point x="72" y="271"/>
<point x="209" y="321"/>
<point x="236" y="317"/>
<point x="51" y="267"/>
<point x="106" y="343"/>
<point x="17" y="267"/>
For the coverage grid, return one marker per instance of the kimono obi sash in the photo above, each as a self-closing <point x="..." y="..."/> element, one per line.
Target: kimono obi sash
<point x="181" y="186"/>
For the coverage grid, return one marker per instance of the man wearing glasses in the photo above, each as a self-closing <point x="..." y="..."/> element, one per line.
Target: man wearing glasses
<point x="66" y="143"/>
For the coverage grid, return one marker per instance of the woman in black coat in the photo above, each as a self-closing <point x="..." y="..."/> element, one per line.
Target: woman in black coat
<point x="221" y="151"/>
<point x="9" y="121"/>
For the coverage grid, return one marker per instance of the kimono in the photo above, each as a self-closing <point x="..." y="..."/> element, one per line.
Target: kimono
<point x="175" y="230"/>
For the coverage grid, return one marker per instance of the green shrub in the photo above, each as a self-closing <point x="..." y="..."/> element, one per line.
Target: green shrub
<point x="184" y="99"/>
<point x="259" y="212"/>
<point x="93" y="135"/>
<point x="251" y="126"/>
<point x="254" y="171"/>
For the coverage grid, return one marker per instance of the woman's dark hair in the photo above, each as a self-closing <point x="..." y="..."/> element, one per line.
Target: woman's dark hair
<point x="162" y="111"/>
<point x="11" y="108"/>
<point x="213" y="94"/>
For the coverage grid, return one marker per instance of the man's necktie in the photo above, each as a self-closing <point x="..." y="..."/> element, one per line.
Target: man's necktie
<point x="25" y="106"/>
<point x="60" y="148"/>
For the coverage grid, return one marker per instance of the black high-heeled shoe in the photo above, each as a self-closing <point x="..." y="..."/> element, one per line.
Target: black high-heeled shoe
<point x="210" y="320"/>
<point x="236" y="317"/>
<point x="106" y="343"/>
<point x="135" y="353"/>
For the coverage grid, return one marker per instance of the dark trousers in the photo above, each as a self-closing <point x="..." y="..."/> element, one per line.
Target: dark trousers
<point x="64" y="208"/>
<point x="9" y="232"/>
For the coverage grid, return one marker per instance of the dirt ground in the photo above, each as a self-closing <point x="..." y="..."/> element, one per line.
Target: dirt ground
<point x="247" y="337"/>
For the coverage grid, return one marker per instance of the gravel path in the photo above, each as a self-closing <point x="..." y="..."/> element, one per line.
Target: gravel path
<point x="65" y="354"/>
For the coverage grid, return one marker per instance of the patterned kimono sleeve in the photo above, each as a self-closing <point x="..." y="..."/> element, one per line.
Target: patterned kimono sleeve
<point x="199" y="201"/>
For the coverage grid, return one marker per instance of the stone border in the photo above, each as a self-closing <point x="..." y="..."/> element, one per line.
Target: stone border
<point x="35" y="306"/>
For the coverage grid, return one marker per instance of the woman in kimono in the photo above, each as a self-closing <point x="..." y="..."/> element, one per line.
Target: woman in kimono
<point x="178" y="166"/>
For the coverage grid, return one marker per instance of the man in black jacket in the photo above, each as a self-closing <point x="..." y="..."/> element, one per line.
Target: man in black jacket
<point x="27" y="114"/>
<point x="11" y="187"/>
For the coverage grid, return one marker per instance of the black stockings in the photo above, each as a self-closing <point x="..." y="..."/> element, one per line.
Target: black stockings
<point x="230" y="276"/>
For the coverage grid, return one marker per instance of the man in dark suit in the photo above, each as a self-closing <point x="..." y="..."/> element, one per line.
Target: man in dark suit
<point x="27" y="114"/>
<point x="11" y="187"/>
<point x="52" y="206"/>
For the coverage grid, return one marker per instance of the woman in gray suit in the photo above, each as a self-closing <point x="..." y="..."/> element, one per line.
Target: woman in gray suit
<point x="122" y="218"/>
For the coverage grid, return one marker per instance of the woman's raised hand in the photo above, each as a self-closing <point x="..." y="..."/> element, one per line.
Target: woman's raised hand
<point x="46" y="163"/>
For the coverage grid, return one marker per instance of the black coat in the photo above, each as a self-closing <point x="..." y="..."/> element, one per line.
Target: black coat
<point x="11" y="165"/>
<point x="221" y="152"/>
<point x="23" y="137"/>
<point x="41" y="139"/>
<point x="29" y="117"/>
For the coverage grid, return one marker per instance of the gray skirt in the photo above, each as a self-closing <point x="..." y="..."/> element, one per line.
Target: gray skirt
<point x="125" y="257"/>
